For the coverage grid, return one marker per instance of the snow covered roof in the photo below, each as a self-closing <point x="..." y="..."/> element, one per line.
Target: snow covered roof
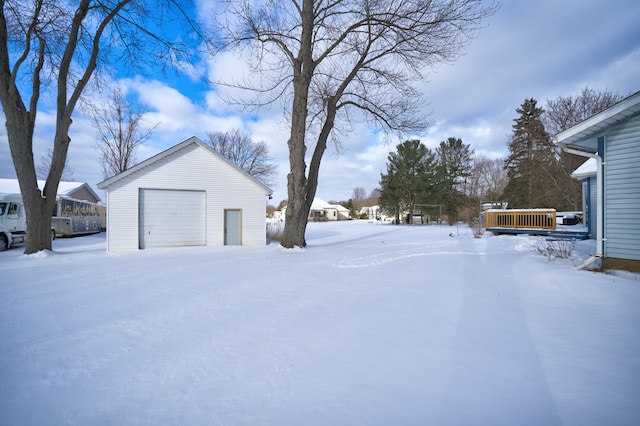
<point x="65" y="189"/>
<point x="320" y="204"/>
<point x="587" y="169"/>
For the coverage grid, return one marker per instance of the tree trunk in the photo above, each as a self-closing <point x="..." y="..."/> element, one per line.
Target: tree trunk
<point x="38" y="207"/>
<point x="39" y="211"/>
<point x="298" y="189"/>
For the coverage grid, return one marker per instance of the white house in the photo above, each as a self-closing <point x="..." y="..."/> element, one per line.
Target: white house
<point x="188" y="195"/>
<point x="612" y="180"/>
<point x="321" y="211"/>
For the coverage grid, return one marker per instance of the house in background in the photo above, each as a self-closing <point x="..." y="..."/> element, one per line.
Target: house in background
<point x="76" y="190"/>
<point x="612" y="199"/>
<point x="188" y="195"/>
<point x="320" y="211"/>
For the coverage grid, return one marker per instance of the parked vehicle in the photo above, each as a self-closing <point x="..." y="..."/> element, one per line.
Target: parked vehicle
<point x="13" y="221"/>
<point x="70" y="217"/>
<point x="76" y="217"/>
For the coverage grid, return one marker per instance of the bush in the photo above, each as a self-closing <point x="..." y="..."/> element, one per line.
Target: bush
<point x="471" y="215"/>
<point x="554" y="249"/>
<point x="274" y="231"/>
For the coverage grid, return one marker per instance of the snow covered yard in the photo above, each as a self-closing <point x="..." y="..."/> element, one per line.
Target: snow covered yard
<point x="370" y="325"/>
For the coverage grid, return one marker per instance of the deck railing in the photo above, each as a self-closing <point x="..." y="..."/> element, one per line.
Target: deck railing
<point x="521" y="219"/>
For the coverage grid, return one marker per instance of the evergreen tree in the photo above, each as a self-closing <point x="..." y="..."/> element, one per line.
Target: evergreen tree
<point x="532" y="164"/>
<point x="409" y="178"/>
<point x="454" y="164"/>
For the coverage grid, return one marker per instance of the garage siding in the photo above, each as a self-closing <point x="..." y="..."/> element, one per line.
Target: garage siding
<point x="190" y="168"/>
<point x="622" y="197"/>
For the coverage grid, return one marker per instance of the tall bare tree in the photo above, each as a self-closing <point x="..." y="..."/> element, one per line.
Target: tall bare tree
<point x="488" y="179"/>
<point x="121" y="130"/>
<point x="567" y="111"/>
<point x="45" y="165"/>
<point x="54" y="47"/>
<point x="562" y="113"/>
<point x="239" y="148"/>
<point x="332" y="61"/>
<point x="358" y="197"/>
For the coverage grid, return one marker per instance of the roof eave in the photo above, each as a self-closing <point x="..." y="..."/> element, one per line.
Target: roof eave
<point x="105" y="184"/>
<point x="582" y="134"/>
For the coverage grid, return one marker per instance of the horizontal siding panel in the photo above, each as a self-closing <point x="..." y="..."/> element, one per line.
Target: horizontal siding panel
<point x="122" y="220"/>
<point x="622" y="190"/>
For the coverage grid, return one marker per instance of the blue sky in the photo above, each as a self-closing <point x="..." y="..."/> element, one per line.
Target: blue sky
<point x="542" y="50"/>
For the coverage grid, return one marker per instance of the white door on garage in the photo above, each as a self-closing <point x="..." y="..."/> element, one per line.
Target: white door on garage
<point x="172" y="218"/>
<point x="232" y="227"/>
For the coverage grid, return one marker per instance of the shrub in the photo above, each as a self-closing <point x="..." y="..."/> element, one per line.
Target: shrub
<point x="274" y="231"/>
<point x="554" y="249"/>
<point x="471" y="215"/>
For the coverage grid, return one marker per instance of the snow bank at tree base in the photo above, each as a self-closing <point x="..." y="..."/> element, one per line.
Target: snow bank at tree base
<point x="369" y="325"/>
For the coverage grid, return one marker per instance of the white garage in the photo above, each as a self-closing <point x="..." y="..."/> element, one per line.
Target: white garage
<point x="188" y="195"/>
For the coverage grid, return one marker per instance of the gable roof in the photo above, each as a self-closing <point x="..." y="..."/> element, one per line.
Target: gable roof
<point x="320" y="204"/>
<point x="65" y="189"/>
<point x="168" y="152"/>
<point x="583" y="135"/>
<point x="587" y="169"/>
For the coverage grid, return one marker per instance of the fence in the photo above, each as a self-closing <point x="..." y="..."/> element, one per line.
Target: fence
<point x="521" y="219"/>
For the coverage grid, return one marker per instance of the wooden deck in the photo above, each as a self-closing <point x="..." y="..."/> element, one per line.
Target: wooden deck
<point x="528" y="221"/>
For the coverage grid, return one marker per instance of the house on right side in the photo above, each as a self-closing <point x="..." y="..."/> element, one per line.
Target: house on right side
<point x="610" y="140"/>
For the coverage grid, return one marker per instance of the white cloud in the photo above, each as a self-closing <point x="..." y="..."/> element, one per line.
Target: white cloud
<point x="540" y="49"/>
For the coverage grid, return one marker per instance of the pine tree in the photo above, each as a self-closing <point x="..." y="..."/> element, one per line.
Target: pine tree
<point x="532" y="164"/>
<point x="454" y="164"/>
<point x="409" y="178"/>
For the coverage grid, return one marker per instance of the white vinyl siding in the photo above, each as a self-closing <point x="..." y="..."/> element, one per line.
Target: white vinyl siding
<point x="191" y="167"/>
<point x="592" y="219"/>
<point x="622" y="190"/>
<point x="170" y="218"/>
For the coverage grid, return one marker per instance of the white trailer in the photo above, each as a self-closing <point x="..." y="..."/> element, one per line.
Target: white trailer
<point x="70" y="217"/>
<point x="76" y="217"/>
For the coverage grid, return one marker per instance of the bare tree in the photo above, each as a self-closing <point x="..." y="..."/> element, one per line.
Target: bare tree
<point x="488" y="178"/>
<point x="252" y="157"/>
<point x="559" y="115"/>
<point x="358" y="197"/>
<point x="45" y="166"/>
<point x="121" y="131"/>
<point x="54" y="47"/>
<point x="331" y="62"/>
<point x="567" y="111"/>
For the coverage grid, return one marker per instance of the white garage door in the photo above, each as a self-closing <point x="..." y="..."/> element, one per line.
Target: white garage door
<point x="172" y="218"/>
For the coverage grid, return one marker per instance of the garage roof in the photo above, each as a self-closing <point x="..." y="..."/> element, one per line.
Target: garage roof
<point x="192" y="140"/>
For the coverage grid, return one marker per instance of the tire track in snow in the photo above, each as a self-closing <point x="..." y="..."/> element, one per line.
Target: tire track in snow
<point x="385" y="258"/>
